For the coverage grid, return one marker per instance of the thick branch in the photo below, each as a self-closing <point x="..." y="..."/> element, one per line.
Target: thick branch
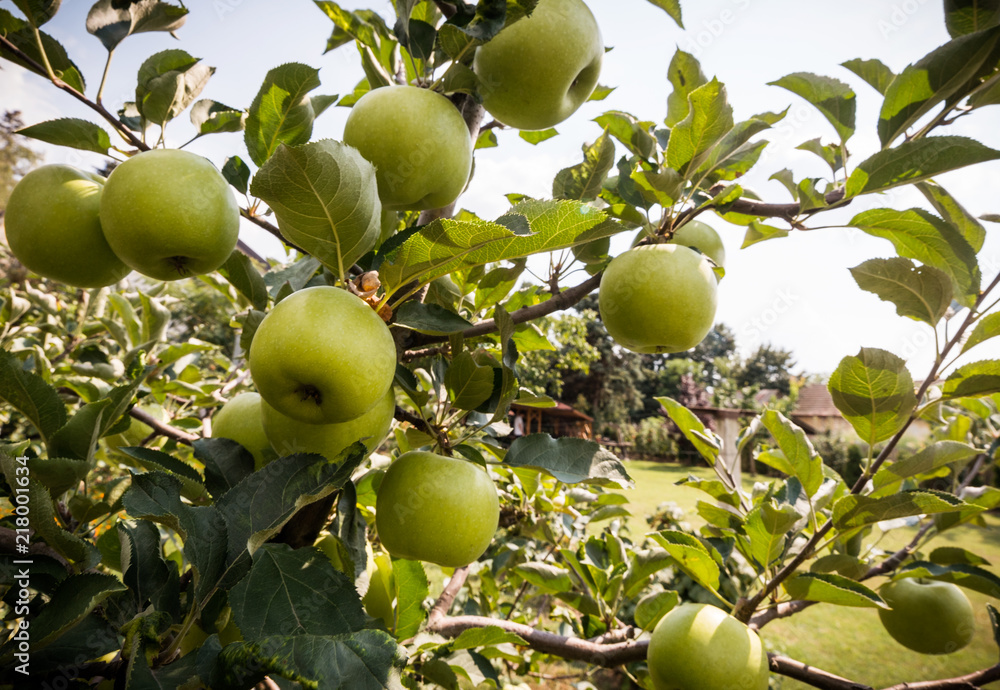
<point x="810" y="675"/>
<point x="969" y="682"/>
<point x="447" y="598"/>
<point x="161" y="428"/>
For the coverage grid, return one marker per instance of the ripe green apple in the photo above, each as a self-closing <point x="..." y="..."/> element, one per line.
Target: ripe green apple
<point x="417" y="141"/>
<point x="169" y="214"/>
<point x="927" y="616"/>
<point x="702" y="237"/>
<point x="700" y="647"/>
<point x="322" y="355"/>
<point x="54" y="228"/>
<point x="288" y="436"/>
<point x="436" y="509"/>
<point x="240" y="420"/>
<point x="658" y="298"/>
<point x="536" y="72"/>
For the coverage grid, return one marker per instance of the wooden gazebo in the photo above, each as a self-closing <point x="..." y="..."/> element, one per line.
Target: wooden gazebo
<point x="561" y="420"/>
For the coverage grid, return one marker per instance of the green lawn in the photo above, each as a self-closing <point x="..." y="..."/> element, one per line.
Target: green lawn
<point x="849" y="642"/>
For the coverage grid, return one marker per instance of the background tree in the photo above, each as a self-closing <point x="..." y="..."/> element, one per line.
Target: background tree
<point x="16" y="158"/>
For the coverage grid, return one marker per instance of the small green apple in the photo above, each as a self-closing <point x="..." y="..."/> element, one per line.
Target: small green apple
<point x="240" y="420"/>
<point x="539" y="70"/>
<point x="702" y="237"/>
<point x="288" y="436"/>
<point x="701" y="647"/>
<point x="53" y="227"/>
<point x="658" y="298"/>
<point x="927" y="616"/>
<point x="436" y="509"/>
<point x="417" y="141"/>
<point x="322" y="355"/>
<point x="169" y="214"/>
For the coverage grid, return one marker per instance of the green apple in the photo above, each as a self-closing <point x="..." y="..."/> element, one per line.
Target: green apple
<point x="53" y="227"/>
<point x="436" y="509"/>
<point x="536" y="72"/>
<point x="288" y="436"/>
<point x="702" y="237"/>
<point x="322" y="355"/>
<point x="658" y="298"/>
<point x="417" y="141"/>
<point x="927" y="616"/>
<point x="169" y="214"/>
<point x="240" y="420"/>
<point x="701" y="647"/>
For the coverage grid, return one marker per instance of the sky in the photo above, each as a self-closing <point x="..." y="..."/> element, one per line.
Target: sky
<point x="795" y="293"/>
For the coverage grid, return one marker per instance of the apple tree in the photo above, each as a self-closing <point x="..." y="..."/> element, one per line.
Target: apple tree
<point x="181" y="512"/>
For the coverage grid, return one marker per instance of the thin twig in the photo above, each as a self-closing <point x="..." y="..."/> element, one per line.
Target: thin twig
<point x="163" y="429"/>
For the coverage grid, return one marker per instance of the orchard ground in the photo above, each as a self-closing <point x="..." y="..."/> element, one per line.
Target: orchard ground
<point x="848" y="642"/>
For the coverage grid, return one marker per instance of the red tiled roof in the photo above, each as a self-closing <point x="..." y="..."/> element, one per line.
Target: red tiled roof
<point x="815" y="401"/>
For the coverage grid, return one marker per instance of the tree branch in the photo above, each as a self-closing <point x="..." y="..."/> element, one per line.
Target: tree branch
<point x="968" y="682"/>
<point x="447" y="598"/>
<point x="163" y="429"/>
<point x="810" y="675"/>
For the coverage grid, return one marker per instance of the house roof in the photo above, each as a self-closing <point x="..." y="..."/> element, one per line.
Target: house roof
<point x="815" y="401"/>
<point x="561" y="409"/>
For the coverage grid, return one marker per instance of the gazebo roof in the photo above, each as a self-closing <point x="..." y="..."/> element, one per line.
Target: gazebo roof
<point x="561" y="409"/>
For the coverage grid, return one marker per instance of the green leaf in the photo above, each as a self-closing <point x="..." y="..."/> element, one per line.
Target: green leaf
<point x="797" y="448"/>
<point x="92" y="421"/>
<point x="923" y="293"/>
<point x="714" y="488"/>
<point x="973" y="380"/>
<point x="325" y="198"/>
<point x="168" y="83"/>
<point x="410" y="584"/>
<point x="766" y="525"/>
<point x="30" y="395"/>
<point x="954" y="213"/>
<point x="112" y="21"/>
<point x="530" y="227"/>
<point x="583" y="182"/>
<point x="705" y="442"/>
<point x="281" y="113"/>
<point x="156" y="460"/>
<point x="663" y="188"/>
<point x="71" y="132"/>
<point x="364" y="660"/>
<point x="691" y="556"/>
<point x="671" y="7"/>
<point x="147" y="575"/>
<point x="351" y="25"/>
<point x="73" y="600"/>
<point x="652" y="607"/>
<point x="915" y="161"/>
<point x="942" y="74"/>
<point x="709" y="119"/>
<point x="570" y="460"/>
<point x="295" y="592"/>
<point x="832" y="97"/>
<point x="243" y="275"/>
<point x="833" y="589"/>
<point x="210" y="117"/>
<point x="534" y="137"/>
<point x="918" y="234"/>
<point x="226" y="462"/>
<point x="759" y="232"/>
<point x="38" y="11"/>
<point x="59" y="475"/>
<point x="237" y="173"/>
<point x="547" y="577"/>
<point x="469" y="383"/>
<point x="632" y="133"/>
<point x="951" y="555"/>
<point x="874" y="392"/>
<point x="20" y="33"/>
<point x="940" y="454"/>
<point x="685" y="76"/>
<point x="968" y="16"/>
<point x="858" y="511"/>
<point x="986" y="327"/>
<point x="735" y="154"/>
<point x="875" y="72"/>
<point x="969" y="576"/>
<point x="490" y="636"/>
<point x="432" y="319"/>
<point x="830" y="154"/>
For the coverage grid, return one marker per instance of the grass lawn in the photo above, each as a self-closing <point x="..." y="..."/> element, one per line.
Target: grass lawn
<point x="846" y="641"/>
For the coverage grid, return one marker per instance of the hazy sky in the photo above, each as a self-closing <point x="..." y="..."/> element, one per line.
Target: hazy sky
<point x="795" y="293"/>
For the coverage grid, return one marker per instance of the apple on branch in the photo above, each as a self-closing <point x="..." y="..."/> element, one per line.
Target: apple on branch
<point x="539" y="70"/>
